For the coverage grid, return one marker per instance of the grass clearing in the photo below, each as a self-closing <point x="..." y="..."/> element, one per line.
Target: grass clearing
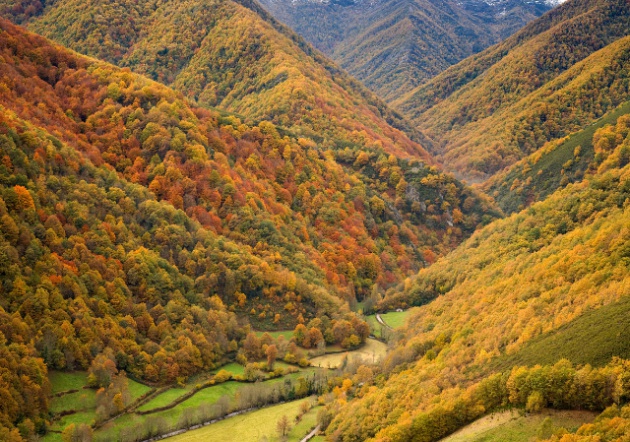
<point x="592" y="338"/>
<point x="63" y="381"/>
<point x="83" y="399"/>
<point x="171" y="416"/>
<point x="136" y="389"/>
<point x="165" y="398"/>
<point x="308" y="422"/>
<point x="232" y="367"/>
<point x="512" y="426"/>
<point x="210" y="395"/>
<point x="52" y="437"/>
<point x="82" y="417"/>
<point x="248" y="427"/>
<point x="395" y="319"/>
<point x="374" y="325"/>
<point x="288" y="334"/>
<point x="372" y="351"/>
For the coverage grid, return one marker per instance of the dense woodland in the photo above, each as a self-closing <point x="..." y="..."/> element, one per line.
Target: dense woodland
<point x="141" y="233"/>
<point x="561" y="386"/>
<point x="496" y="298"/>
<point x="226" y="54"/>
<point x="152" y="232"/>
<point x="494" y="108"/>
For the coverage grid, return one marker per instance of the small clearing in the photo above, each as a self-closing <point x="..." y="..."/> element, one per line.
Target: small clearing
<point x="372" y="351"/>
<point x="512" y="426"/>
<point x="395" y="319"/>
<point x="252" y="426"/>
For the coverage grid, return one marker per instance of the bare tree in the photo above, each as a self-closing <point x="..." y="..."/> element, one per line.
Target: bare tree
<point x="223" y="406"/>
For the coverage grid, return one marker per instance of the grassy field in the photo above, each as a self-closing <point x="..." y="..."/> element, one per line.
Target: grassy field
<point x="374" y="325"/>
<point x="593" y="338"/>
<point x="207" y="396"/>
<point x="395" y="319"/>
<point x="169" y="396"/>
<point x="165" y="398"/>
<point x="233" y="368"/>
<point x="84" y="400"/>
<point x="82" y="417"/>
<point x="308" y="422"/>
<point x="512" y="426"/>
<point x="137" y="389"/>
<point x="62" y="381"/>
<point x="171" y="416"/>
<point x="288" y="334"/>
<point x="546" y="175"/>
<point x="372" y="351"/>
<point x="210" y="395"/>
<point x="249" y="427"/>
<point x="81" y="400"/>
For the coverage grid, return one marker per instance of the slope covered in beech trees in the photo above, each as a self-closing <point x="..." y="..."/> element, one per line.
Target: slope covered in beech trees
<point x="510" y="295"/>
<point x="138" y="227"/>
<point x="553" y="78"/>
<point x="392" y="46"/>
<point x="231" y="55"/>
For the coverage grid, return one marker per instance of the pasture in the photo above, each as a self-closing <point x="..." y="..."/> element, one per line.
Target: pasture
<point x="513" y="426"/>
<point x="372" y="351"/>
<point x="253" y="426"/>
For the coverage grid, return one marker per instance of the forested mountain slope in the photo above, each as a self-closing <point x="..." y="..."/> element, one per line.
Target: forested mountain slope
<point x="556" y="76"/>
<point x="138" y="227"/>
<point x="394" y="45"/>
<point x="283" y="196"/>
<point x="555" y="165"/>
<point x="510" y="295"/>
<point x="226" y="54"/>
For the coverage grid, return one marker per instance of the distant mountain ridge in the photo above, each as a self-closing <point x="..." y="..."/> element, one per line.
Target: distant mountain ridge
<point x="394" y="45"/>
<point x="553" y="77"/>
<point x="231" y="55"/>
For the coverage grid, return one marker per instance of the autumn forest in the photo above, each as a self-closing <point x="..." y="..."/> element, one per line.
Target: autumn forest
<point x="210" y="231"/>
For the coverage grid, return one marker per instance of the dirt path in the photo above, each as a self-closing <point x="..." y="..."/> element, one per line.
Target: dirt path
<point x="380" y="321"/>
<point x="312" y="434"/>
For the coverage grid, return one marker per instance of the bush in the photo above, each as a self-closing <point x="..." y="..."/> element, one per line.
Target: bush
<point x="222" y="376"/>
<point x="535" y="402"/>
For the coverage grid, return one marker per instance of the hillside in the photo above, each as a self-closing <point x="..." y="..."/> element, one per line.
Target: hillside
<point x="139" y="228"/>
<point x="496" y="107"/>
<point x="392" y="46"/>
<point x="552" y="167"/>
<point x="548" y="283"/>
<point x="231" y="55"/>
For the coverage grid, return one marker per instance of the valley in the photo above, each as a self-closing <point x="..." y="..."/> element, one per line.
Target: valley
<point x="393" y="46"/>
<point x="209" y="230"/>
<point x="158" y="410"/>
